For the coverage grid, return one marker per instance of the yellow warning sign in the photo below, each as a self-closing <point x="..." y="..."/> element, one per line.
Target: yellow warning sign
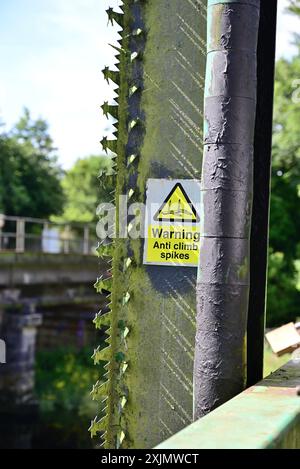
<point x="177" y="207"/>
<point x="173" y="245"/>
<point x="172" y="229"/>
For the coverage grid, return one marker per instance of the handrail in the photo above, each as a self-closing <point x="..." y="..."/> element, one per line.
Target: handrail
<point x="42" y="221"/>
<point x="27" y="234"/>
<point x="265" y="416"/>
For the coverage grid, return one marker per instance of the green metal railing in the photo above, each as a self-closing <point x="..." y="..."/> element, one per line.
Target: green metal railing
<point x="265" y="416"/>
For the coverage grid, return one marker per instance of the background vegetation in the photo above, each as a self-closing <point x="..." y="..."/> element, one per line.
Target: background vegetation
<point x="283" y="279"/>
<point x="33" y="184"/>
<point x="64" y="378"/>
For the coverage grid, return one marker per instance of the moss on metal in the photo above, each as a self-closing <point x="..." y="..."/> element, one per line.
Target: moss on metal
<point x="151" y="319"/>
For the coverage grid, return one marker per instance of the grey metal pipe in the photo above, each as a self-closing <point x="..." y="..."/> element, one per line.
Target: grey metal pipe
<point x="227" y="181"/>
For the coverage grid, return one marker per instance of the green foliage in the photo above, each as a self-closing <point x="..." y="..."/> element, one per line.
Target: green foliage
<point x="82" y="191"/>
<point x="32" y="184"/>
<point x="294" y="6"/>
<point x="286" y="138"/>
<point x="285" y="224"/>
<point x="283" y="296"/>
<point x="64" y="378"/>
<point x="34" y="136"/>
<point x="283" y="293"/>
<point x="29" y="175"/>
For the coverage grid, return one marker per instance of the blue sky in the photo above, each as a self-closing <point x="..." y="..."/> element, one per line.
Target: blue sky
<point x="52" y="53"/>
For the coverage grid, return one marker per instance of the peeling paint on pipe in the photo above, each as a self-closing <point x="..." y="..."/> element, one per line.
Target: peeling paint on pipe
<point x="227" y="181"/>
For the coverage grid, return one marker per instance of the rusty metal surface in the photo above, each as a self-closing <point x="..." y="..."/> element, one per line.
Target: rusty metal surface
<point x="265" y="416"/>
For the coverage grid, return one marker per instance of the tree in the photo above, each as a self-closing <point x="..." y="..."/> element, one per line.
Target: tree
<point x="294" y="6"/>
<point x="34" y="135"/>
<point x="30" y="179"/>
<point x="283" y="295"/>
<point x="82" y="190"/>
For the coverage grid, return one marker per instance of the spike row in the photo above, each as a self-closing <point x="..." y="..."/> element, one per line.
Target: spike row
<point x="98" y="426"/>
<point x="109" y="145"/>
<point x="98" y="392"/>
<point x="111" y="75"/>
<point x="103" y="285"/>
<point x="114" y="16"/>
<point x="101" y="355"/>
<point x="104" y="320"/>
<point x="109" y="109"/>
<point x="103" y="251"/>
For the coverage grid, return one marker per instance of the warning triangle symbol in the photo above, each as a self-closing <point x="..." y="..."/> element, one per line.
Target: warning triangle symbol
<point x="177" y="207"/>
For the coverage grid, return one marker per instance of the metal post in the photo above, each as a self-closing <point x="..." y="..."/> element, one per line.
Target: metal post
<point x="227" y="179"/>
<point x="66" y="240"/>
<point x="261" y="190"/>
<point x="44" y="239"/>
<point x="20" y="235"/>
<point x="86" y="237"/>
<point x="2" y="223"/>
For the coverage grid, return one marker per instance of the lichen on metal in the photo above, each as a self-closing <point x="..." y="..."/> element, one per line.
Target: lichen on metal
<point x="152" y="312"/>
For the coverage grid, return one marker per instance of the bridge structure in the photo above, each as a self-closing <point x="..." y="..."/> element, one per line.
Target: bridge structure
<point x="47" y="299"/>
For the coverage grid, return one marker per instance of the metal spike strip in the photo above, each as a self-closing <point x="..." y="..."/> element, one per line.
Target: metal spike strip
<point x="111" y="75"/>
<point x="109" y="109"/>
<point x="109" y="145"/>
<point x="130" y="127"/>
<point x="115" y="16"/>
<point x="100" y="390"/>
<point x="101" y="320"/>
<point x="98" y="425"/>
<point x="102" y="251"/>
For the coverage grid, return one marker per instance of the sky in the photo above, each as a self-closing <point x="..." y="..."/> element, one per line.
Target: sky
<point x="51" y="56"/>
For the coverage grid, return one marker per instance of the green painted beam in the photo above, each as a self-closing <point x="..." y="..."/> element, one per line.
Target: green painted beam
<point x="265" y="416"/>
